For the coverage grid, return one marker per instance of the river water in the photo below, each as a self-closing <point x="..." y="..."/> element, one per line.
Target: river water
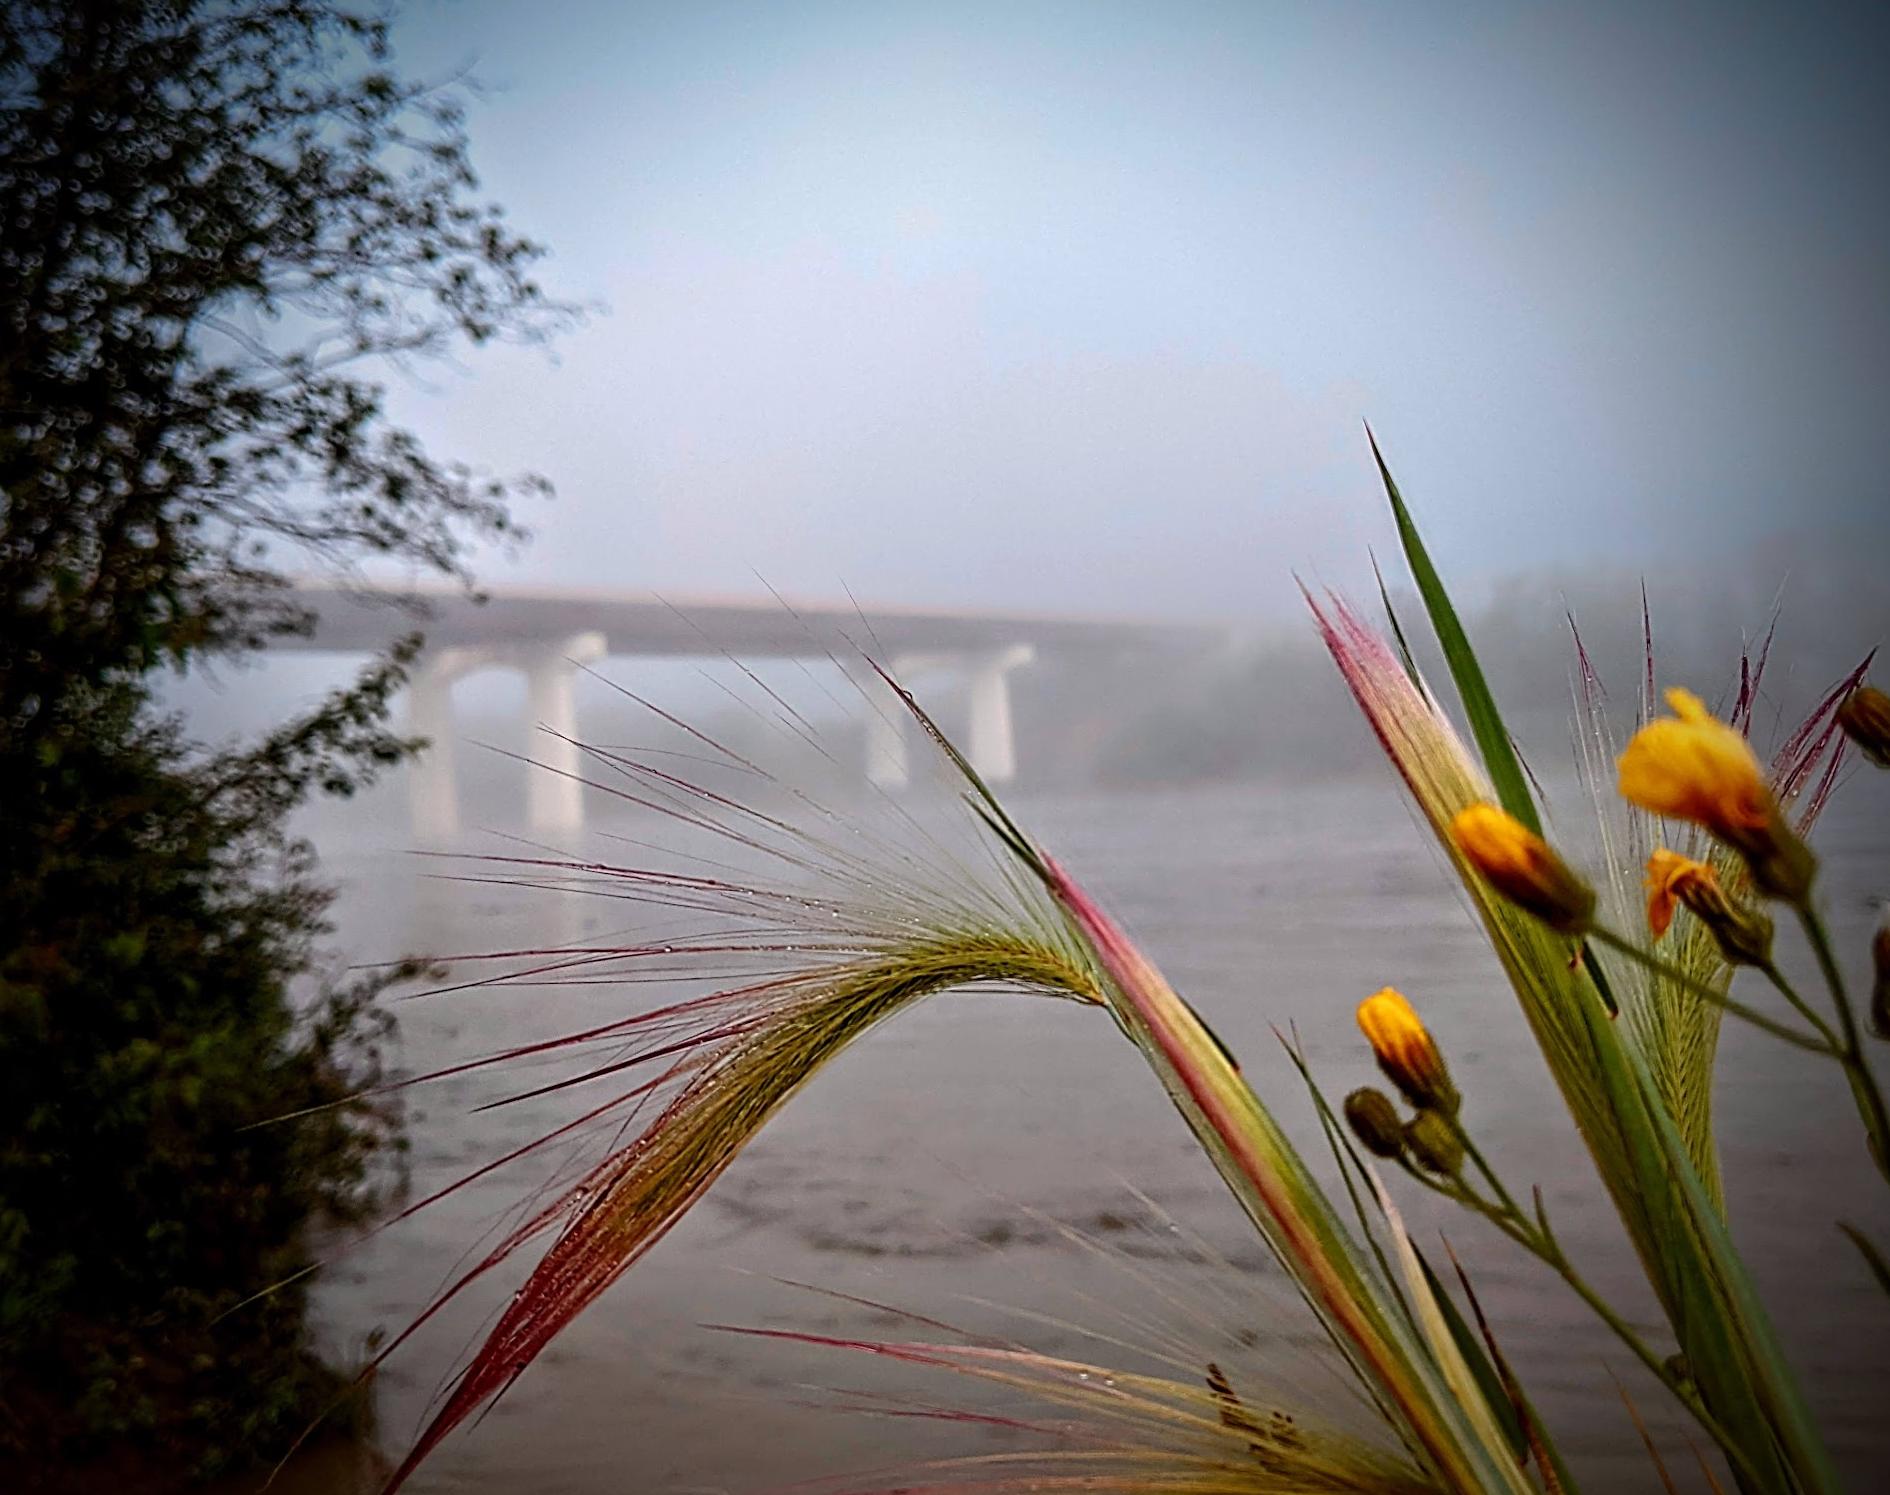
<point x="1009" y="1166"/>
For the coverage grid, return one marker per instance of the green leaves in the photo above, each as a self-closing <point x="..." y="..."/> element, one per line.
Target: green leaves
<point x="205" y="227"/>
<point x="177" y="178"/>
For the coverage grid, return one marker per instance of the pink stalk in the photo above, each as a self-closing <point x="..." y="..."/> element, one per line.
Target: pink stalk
<point x="1269" y="1180"/>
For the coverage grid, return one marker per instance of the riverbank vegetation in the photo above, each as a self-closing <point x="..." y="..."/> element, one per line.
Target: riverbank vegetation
<point x="217" y="222"/>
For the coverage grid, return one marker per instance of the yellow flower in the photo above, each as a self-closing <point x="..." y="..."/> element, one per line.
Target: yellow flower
<point x="1668" y="874"/>
<point x="1694" y="767"/>
<point x="1865" y="718"/>
<point x="1523" y="867"/>
<point x="1405" y="1051"/>
<point x="1743" y="933"/>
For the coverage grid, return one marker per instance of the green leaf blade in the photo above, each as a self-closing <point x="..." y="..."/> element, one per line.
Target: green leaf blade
<point x="1486" y="722"/>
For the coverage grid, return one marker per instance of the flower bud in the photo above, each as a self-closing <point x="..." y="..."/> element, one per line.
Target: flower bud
<point x="1523" y="867"/>
<point x="1406" y="1053"/>
<point x="1865" y="718"/>
<point x="1743" y="933"/>
<point x="1693" y="767"/>
<point x="1374" y="1121"/>
<point x="1880" y="980"/>
<point x="1434" y="1143"/>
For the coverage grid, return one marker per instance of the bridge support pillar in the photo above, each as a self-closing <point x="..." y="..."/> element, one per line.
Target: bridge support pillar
<point x="990" y="744"/>
<point x="433" y="777"/>
<point x="888" y="761"/>
<point x="554" y="788"/>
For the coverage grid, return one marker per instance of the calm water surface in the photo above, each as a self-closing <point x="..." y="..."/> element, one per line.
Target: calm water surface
<point x="1008" y="1165"/>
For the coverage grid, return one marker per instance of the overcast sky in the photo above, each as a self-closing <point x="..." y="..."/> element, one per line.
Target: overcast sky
<point x="1081" y="306"/>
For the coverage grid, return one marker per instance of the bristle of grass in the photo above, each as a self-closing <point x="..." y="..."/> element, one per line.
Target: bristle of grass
<point x="728" y="1089"/>
<point x="1100" y="1428"/>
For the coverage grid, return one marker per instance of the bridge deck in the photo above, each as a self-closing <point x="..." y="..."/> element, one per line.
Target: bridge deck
<point x="354" y="621"/>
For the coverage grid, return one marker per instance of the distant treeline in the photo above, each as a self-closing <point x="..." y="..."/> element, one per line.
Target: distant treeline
<point x="1273" y="706"/>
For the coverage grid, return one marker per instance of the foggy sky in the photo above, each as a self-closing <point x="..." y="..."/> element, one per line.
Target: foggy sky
<point x="1081" y="306"/>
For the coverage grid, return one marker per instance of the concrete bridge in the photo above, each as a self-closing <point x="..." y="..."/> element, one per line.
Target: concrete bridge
<point x="549" y="634"/>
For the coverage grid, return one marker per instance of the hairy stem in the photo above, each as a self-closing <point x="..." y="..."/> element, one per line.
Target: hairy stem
<point x="1850" y="1049"/>
<point x="1539" y="1241"/>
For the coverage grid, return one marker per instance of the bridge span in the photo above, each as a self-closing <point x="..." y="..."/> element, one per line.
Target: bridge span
<point x="548" y="634"/>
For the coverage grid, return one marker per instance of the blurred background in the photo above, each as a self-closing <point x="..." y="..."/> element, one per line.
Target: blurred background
<point x="1080" y="308"/>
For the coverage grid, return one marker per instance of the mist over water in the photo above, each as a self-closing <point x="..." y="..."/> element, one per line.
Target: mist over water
<point x="974" y="304"/>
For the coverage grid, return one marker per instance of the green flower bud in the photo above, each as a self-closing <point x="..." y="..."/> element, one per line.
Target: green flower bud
<point x="1434" y="1143"/>
<point x="1374" y="1121"/>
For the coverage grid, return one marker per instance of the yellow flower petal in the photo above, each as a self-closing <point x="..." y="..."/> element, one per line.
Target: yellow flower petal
<point x="1405" y="1051"/>
<point x="1865" y="718"/>
<point x="1742" y="932"/>
<point x="1691" y="766"/>
<point x="1669" y="876"/>
<point x="1523" y="867"/>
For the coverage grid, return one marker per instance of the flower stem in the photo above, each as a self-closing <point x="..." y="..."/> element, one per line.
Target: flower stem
<point x="1850" y="1048"/>
<point x="1718" y="998"/>
<point x="1790" y="994"/>
<point x="1504" y="1213"/>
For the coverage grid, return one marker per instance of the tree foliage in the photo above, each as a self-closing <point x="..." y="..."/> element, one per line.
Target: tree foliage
<point x="220" y="224"/>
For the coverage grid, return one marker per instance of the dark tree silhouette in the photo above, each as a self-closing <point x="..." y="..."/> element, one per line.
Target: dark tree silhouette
<point x="219" y="223"/>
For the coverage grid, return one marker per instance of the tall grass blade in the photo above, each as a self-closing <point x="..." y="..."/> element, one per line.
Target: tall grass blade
<point x="1391" y="619"/>
<point x="1441" y="1417"/>
<point x="1486" y="723"/>
<point x="1494" y="1380"/>
<point x="1736" y="1323"/>
<point x="1446" y="1348"/>
<point x="1867" y="1248"/>
<point x="1647" y="1442"/>
<point x="1556" y="1479"/>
